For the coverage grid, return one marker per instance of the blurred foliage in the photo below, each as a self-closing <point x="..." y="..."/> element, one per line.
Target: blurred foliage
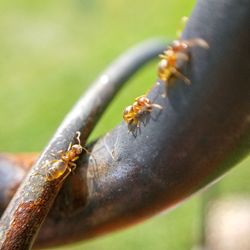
<point x="51" y="51"/>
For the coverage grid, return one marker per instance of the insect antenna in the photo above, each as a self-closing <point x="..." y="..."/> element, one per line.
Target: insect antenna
<point x="78" y="133"/>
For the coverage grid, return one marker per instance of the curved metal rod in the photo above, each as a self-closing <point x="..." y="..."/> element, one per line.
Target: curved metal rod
<point x="202" y="131"/>
<point x="31" y="203"/>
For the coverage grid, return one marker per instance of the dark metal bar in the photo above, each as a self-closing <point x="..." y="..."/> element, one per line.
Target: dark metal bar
<point x="22" y="219"/>
<point x="202" y="131"/>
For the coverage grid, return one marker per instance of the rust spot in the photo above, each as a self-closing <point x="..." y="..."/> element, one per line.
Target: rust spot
<point x="24" y="160"/>
<point x="25" y="223"/>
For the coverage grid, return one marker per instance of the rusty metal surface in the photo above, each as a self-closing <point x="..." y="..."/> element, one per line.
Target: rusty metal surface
<point x="202" y="131"/>
<point x="25" y="213"/>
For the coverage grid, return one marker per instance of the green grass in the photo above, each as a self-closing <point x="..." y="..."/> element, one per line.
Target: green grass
<point x="50" y="52"/>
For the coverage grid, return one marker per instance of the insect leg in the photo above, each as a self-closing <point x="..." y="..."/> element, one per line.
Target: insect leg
<point x="69" y="147"/>
<point x="179" y="75"/>
<point x="71" y="166"/>
<point x="182" y="56"/>
<point x="154" y="105"/>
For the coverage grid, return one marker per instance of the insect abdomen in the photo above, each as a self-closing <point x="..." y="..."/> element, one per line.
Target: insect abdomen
<point x="56" y="170"/>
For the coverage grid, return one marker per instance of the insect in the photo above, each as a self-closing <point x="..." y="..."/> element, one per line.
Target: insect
<point x="177" y="53"/>
<point x="133" y="114"/>
<point x="57" y="168"/>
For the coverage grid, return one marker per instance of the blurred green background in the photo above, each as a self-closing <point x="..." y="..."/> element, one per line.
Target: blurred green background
<point x="50" y="52"/>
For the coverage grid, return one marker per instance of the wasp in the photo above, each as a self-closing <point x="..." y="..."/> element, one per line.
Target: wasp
<point x="57" y="168"/>
<point x="177" y="53"/>
<point x="133" y="114"/>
